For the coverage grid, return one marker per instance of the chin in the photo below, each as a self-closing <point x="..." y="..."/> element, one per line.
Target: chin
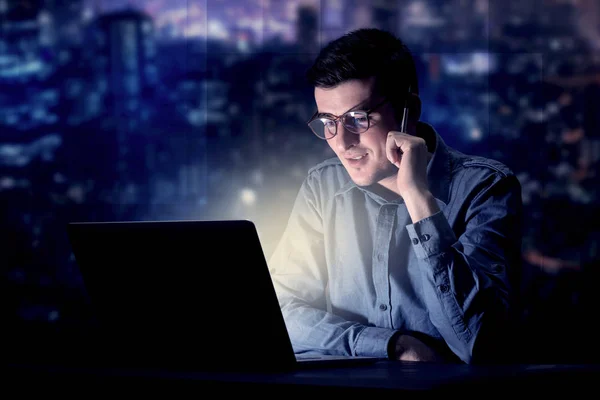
<point x="362" y="183"/>
<point x="362" y="180"/>
<point x="371" y="176"/>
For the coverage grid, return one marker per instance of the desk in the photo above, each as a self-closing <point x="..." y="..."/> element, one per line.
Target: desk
<point x="44" y="364"/>
<point x="383" y="377"/>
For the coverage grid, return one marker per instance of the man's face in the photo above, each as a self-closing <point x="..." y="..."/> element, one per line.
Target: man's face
<point x="363" y="155"/>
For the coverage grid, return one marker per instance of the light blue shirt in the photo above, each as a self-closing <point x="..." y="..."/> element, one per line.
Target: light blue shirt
<point x="352" y="269"/>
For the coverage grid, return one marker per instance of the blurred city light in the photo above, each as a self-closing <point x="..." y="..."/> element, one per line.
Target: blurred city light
<point x="166" y="109"/>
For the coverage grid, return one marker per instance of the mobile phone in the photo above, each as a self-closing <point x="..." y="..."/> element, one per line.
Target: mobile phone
<point x="405" y="114"/>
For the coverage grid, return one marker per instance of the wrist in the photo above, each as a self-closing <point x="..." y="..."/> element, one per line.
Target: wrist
<point x="420" y="204"/>
<point x="416" y="194"/>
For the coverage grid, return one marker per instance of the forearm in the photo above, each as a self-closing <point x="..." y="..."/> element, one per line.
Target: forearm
<point x="420" y="205"/>
<point x="300" y="283"/>
<point x="313" y="329"/>
<point x="457" y="282"/>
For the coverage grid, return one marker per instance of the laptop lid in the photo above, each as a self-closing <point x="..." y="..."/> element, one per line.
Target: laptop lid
<point x="181" y="295"/>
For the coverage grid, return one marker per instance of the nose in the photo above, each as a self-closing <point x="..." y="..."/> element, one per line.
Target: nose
<point x="344" y="138"/>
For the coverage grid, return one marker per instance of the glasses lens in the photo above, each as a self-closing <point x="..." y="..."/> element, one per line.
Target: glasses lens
<point x="356" y="121"/>
<point x="323" y="128"/>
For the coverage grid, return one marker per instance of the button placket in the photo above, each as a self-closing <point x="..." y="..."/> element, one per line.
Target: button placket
<point x="385" y="226"/>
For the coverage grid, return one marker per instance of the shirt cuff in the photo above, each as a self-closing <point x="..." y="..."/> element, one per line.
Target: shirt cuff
<point x="373" y="342"/>
<point x="431" y="235"/>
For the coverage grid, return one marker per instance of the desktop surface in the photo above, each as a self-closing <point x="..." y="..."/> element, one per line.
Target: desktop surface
<point x="44" y="364"/>
<point x="380" y="377"/>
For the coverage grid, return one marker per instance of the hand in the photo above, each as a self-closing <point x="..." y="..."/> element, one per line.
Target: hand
<point x="409" y="154"/>
<point x="409" y="348"/>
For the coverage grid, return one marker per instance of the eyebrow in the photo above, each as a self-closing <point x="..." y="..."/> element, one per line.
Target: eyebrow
<point x="358" y="106"/>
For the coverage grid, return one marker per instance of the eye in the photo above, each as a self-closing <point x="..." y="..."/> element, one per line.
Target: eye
<point x="359" y="116"/>
<point x="359" y="119"/>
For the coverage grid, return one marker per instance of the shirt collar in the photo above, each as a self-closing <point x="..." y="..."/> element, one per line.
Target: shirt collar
<point x="438" y="168"/>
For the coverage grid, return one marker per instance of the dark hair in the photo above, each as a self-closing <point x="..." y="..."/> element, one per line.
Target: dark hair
<point x="366" y="53"/>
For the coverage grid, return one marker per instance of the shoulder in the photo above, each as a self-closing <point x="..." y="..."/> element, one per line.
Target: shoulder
<point x="332" y="163"/>
<point x="479" y="174"/>
<point x="327" y="177"/>
<point x="331" y="171"/>
<point x="472" y="164"/>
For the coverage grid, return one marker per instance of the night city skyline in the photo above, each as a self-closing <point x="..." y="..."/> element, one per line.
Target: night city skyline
<point x="182" y="109"/>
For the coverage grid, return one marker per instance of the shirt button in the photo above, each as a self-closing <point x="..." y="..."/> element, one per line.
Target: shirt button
<point x="444" y="288"/>
<point x="415" y="241"/>
<point x="380" y="257"/>
<point x="425" y="237"/>
<point x="382" y="307"/>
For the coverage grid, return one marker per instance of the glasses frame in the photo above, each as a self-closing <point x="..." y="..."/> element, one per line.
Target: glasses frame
<point x="339" y="117"/>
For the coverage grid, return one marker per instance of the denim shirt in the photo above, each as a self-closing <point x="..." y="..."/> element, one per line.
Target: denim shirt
<point x="351" y="268"/>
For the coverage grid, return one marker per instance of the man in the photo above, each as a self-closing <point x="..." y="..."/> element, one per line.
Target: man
<point x="400" y="246"/>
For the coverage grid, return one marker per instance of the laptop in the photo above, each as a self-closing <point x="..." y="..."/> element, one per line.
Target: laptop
<point x="184" y="295"/>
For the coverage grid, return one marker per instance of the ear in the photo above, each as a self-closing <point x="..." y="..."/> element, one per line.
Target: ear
<point x="414" y="104"/>
<point x="414" y="107"/>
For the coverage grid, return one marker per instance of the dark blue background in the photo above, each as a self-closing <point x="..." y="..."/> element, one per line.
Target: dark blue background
<point x="154" y="110"/>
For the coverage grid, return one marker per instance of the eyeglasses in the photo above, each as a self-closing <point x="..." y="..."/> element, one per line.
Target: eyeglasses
<point x="353" y="121"/>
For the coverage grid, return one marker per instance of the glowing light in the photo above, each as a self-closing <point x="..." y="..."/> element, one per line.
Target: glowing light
<point x="481" y="63"/>
<point x="216" y="29"/>
<point x="476" y="133"/>
<point x="248" y="197"/>
<point x="7" y="182"/>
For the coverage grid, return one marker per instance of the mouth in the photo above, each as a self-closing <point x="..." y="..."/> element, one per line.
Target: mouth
<point x="357" y="160"/>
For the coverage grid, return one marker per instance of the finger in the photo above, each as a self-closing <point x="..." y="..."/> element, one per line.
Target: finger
<point x="394" y="144"/>
<point x="391" y="149"/>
